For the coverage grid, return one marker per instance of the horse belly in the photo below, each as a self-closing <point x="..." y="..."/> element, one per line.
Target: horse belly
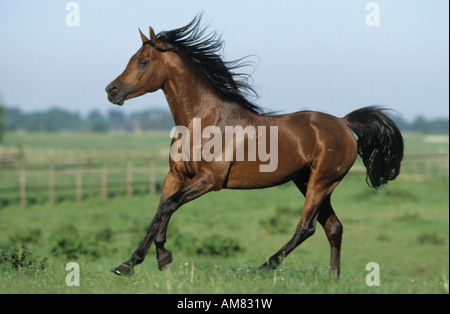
<point x="248" y="175"/>
<point x="294" y="153"/>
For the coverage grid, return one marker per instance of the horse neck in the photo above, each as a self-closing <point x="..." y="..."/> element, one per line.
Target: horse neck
<point x="189" y="94"/>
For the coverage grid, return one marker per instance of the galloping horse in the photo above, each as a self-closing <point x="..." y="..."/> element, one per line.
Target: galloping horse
<point x="315" y="150"/>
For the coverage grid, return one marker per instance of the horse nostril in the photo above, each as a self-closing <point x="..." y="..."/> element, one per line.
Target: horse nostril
<point x="112" y="90"/>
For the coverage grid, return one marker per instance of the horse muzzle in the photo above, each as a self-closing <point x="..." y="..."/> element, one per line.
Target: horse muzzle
<point x="116" y="94"/>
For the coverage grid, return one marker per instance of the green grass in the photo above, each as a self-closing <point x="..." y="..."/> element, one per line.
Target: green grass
<point x="87" y="148"/>
<point x="404" y="228"/>
<point x="219" y="240"/>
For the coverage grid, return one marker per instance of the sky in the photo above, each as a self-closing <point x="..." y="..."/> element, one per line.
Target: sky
<point x="326" y="55"/>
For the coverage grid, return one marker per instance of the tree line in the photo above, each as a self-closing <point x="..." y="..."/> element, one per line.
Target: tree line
<point x="58" y="119"/>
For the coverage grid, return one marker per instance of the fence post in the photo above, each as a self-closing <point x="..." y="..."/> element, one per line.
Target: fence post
<point x="105" y="183"/>
<point x="129" y="182"/>
<point x="23" y="188"/>
<point x="79" y="186"/>
<point x="51" y="185"/>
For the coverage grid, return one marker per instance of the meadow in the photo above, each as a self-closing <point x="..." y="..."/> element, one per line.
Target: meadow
<point x="219" y="240"/>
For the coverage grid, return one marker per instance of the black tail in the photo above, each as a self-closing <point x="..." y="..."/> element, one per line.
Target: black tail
<point x="380" y="144"/>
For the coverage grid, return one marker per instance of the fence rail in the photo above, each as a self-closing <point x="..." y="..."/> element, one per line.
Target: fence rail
<point x="80" y="181"/>
<point x="76" y="182"/>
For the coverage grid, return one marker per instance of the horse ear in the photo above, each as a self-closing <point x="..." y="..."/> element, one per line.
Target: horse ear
<point x="152" y="35"/>
<point x="143" y="37"/>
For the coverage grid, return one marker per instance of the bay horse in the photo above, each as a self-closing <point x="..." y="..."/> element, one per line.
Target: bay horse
<point x="315" y="150"/>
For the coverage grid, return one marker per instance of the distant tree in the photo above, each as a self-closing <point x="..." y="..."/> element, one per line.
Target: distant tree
<point x="12" y="119"/>
<point x="117" y="119"/>
<point x="419" y="124"/>
<point x="57" y="119"/>
<point x="153" y="119"/>
<point x="97" y="123"/>
<point x="437" y="126"/>
<point x="52" y="120"/>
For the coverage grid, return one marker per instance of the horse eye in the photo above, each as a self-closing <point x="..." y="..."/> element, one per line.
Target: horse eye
<point x="143" y="62"/>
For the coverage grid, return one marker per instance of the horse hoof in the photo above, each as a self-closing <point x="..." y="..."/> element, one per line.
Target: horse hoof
<point x="164" y="259"/>
<point x="123" y="270"/>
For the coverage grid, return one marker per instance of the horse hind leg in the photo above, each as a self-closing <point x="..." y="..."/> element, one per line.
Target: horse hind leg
<point x="315" y="195"/>
<point x="333" y="230"/>
<point x="317" y="208"/>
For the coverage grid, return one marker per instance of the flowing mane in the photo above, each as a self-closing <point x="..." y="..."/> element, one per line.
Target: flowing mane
<point x="203" y="50"/>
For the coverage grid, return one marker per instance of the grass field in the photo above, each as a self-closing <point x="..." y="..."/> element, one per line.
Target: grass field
<point x="219" y="240"/>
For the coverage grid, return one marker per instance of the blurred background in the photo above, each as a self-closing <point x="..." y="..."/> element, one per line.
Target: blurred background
<point x="331" y="56"/>
<point x="80" y="178"/>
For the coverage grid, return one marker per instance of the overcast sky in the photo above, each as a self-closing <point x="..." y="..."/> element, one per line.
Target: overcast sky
<point x="319" y="55"/>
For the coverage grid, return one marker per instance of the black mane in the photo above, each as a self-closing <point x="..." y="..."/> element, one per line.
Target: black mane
<point x="203" y="51"/>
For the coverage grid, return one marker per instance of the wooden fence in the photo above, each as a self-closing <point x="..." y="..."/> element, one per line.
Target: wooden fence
<point x="79" y="182"/>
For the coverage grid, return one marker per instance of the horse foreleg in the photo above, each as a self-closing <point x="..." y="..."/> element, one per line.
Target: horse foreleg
<point x="172" y="183"/>
<point x="185" y="192"/>
<point x="200" y="184"/>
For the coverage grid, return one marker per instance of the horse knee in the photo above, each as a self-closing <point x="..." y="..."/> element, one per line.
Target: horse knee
<point x="334" y="232"/>
<point x="310" y="231"/>
<point x="305" y="232"/>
